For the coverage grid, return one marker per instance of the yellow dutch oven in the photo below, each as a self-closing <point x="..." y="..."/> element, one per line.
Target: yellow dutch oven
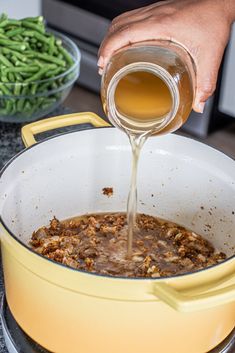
<point x="70" y="311"/>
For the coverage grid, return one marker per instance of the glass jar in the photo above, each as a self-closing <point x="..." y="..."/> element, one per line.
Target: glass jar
<point x="149" y="87"/>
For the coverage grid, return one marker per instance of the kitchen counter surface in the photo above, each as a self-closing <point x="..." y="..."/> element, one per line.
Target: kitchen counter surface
<point x="83" y="100"/>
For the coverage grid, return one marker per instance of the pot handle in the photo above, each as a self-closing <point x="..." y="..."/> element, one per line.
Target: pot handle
<point x="183" y="302"/>
<point x="28" y="131"/>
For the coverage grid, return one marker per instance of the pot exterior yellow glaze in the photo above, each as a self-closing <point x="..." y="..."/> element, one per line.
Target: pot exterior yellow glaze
<point x="68" y="311"/>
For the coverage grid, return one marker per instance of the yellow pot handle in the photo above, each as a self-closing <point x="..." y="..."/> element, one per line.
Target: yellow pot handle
<point x="195" y="302"/>
<point x="28" y="131"/>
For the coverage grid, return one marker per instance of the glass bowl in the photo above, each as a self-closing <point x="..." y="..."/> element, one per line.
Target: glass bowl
<point x="42" y="96"/>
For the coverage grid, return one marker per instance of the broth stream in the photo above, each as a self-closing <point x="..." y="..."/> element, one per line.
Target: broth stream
<point x="144" y="98"/>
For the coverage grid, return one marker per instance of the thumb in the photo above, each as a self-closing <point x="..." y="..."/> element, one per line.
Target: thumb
<point x="207" y="67"/>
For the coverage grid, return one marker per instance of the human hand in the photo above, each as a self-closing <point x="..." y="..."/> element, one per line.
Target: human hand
<point x="202" y="27"/>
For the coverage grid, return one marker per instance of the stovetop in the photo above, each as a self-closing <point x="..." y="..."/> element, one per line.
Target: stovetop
<point x="17" y="341"/>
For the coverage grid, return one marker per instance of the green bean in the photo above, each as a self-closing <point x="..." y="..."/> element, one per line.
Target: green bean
<point x="17" y="38"/>
<point x="15" y="53"/>
<point x="20" y="103"/>
<point x="38" y="75"/>
<point x="66" y="56"/>
<point x="3" y="23"/>
<point x="23" y="69"/>
<point x="36" y="27"/>
<point x="17" y="89"/>
<point x="43" y="86"/>
<point x="36" y="35"/>
<point x="2" y="36"/>
<point x="49" y="58"/>
<point x="5" y="61"/>
<point x="9" y="42"/>
<point x="27" y="106"/>
<point x="17" y="62"/>
<point x="33" y="40"/>
<point x="8" y="107"/>
<point x="11" y="77"/>
<point x="33" y="89"/>
<point x="33" y="46"/>
<point x="18" y="77"/>
<point x="3" y="17"/>
<point x="51" y="45"/>
<point x="25" y="75"/>
<point x="5" y="90"/>
<point x="58" y="42"/>
<point x="13" y="22"/>
<point x="18" y="47"/>
<point x="33" y="19"/>
<point x="4" y="77"/>
<point x="45" y="48"/>
<point x="14" y="32"/>
<point x="54" y="73"/>
<point x="48" y="103"/>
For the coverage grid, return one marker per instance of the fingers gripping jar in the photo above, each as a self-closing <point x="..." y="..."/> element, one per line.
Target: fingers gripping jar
<point x="149" y="87"/>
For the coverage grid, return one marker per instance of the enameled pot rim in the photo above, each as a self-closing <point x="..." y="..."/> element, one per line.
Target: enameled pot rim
<point x="231" y="258"/>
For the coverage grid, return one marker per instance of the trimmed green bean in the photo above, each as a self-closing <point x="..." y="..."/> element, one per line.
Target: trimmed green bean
<point x="20" y="104"/>
<point x="37" y="27"/>
<point x="33" y="19"/>
<point x="14" y="32"/>
<point x="54" y="73"/>
<point x="2" y="36"/>
<point x="5" y="90"/>
<point x="13" y="52"/>
<point x="18" y="77"/>
<point x="3" y="17"/>
<point x="11" y="77"/>
<point x="17" y="89"/>
<point x="17" y="38"/>
<point x="33" y="89"/>
<point x="23" y="69"/>
<point x="27" y="106"/>
<point x="49" y="58"/>
<point x="66" y="56"/>
<point x="36" y="35"/>
<point x="58" y="42"/>
<point x="3" y="23"/>
<point x="9" y="42"/>
<point x="4" y="77"/>
<point x="38" y="75"/>
<point x="51" y="45"/>
<point x="19" y="48"/>
<point x="33" y="40"/>
<point x="17" y="62"/>
<point x="25" y="75"/>
<point x="8" y="107"/>
<point x="5" y="61"/>
<point x="13" y="22"/>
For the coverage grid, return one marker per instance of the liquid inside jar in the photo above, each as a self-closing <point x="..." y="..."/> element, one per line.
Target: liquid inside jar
<point x="143" y="96"/>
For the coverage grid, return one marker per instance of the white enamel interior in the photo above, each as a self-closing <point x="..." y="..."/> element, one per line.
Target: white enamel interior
<point x="191" y="184"/>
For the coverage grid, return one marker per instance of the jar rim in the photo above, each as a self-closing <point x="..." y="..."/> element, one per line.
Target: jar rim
<point x="156" y="70"/>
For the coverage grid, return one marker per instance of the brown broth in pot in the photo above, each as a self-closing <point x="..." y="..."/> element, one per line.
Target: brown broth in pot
<point x="97" y="243"/>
